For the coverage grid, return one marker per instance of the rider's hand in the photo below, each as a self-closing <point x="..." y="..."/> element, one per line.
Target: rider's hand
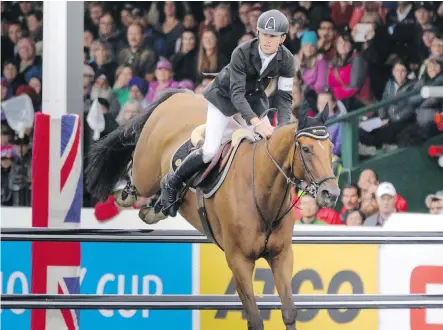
<point x="264" y="129"/>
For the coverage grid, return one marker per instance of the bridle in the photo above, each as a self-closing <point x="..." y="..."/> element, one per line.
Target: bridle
<point x="317" y="133"/>
<point x="310" y="187"/>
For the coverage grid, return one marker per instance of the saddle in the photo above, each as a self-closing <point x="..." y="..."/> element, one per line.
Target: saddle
<point x="213" y="176"/>
<point x="206" y="183"/>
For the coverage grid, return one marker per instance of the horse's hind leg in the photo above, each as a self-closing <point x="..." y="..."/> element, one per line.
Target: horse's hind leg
<point x="127" y="196"/>
<point x="242" y="269"/>
<point x="282" y="266"/>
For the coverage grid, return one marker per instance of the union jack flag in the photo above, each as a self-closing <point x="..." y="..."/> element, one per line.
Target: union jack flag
<point x="56" y="203"/>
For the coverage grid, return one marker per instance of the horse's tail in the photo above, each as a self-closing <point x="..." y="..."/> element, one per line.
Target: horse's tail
<point x="109" y="157"/>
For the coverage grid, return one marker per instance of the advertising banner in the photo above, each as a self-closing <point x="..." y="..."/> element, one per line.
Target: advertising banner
<point x="16" y="279"/>
<point x="110" y="268"/>
<point x="409" y="269"/>
<point x="318" y="269"/>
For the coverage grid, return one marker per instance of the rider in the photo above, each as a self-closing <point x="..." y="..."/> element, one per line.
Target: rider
<point x="240" y="88"/>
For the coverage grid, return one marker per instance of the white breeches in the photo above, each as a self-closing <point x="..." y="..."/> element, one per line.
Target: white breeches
<point x="216" y="127"/>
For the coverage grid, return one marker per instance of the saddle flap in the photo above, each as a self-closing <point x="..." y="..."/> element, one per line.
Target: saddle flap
<point x="212" y="177"/>
<point x="222" y="153"/>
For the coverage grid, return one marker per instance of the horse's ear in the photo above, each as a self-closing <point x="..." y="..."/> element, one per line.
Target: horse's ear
<point x="324" y="115"/>
<point x="303" y="115"/>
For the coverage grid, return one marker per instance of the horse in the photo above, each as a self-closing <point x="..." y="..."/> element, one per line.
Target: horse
<point x="249" y="213"/>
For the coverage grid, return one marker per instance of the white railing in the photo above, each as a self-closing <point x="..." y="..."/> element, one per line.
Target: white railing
<point x="218" y="302"/>
<point x="192" y="236"/>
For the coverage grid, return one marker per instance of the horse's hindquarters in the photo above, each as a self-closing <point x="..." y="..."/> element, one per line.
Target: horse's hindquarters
<point x="169" y="126"/>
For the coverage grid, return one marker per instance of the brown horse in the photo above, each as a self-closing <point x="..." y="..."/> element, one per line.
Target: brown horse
<point x="247" y="213"/>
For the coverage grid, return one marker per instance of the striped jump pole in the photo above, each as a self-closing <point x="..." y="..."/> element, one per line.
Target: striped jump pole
<point x="57" y="162"/>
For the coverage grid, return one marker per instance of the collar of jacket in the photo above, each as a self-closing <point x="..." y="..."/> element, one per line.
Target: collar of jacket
<point x="256" y="60"/>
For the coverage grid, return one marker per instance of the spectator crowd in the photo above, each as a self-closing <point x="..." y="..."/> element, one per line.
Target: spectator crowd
<point x="367" y="202"/>
<point x="347" y="54"/>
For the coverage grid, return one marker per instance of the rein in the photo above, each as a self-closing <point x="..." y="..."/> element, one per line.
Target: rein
<point x="291" y="179"/>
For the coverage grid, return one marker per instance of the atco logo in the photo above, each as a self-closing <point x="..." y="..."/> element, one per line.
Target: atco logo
<point x="422" y="276"/>
<point x="318" y="269"/>
<point x="344" y="277"/>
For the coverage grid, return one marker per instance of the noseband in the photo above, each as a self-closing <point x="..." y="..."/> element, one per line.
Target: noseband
<point x="310" y="187"/>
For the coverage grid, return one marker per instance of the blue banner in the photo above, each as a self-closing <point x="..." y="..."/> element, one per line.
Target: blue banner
<point x="110" y="268"/>
<point x="16" y="278"/>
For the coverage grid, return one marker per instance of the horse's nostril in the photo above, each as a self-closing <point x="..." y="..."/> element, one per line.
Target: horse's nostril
<point x="326" y="194"/>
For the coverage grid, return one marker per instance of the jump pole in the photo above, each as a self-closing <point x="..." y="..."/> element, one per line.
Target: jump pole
<point x="57" y="161"/>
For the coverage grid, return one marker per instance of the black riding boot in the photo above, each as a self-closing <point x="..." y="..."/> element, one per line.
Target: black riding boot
<point x="172" y="183"/>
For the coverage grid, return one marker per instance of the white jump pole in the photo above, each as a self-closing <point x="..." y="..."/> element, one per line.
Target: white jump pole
<point x="222" y="302"/>
<point x="432" y="91"/>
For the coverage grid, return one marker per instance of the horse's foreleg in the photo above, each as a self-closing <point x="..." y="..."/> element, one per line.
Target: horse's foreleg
<point x="282" y="266"/>
<point x="151" y="212"/>
<point x="242" y="269"/>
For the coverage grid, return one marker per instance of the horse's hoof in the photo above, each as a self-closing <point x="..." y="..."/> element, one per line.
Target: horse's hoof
<point x="123" y="199"/>
<point x="149" y="216"/>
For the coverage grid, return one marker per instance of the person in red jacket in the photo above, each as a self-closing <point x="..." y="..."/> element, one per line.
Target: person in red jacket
<point x="351" y="199"/>
<point x="330" y="216"/>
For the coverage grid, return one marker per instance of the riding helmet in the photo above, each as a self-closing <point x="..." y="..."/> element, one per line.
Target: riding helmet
<point x="273" y="22"/>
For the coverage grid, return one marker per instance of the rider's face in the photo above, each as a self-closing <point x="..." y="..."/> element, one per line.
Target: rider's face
<point x="269" y="43"/>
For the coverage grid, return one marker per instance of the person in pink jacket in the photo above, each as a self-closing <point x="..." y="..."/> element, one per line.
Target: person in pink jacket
<point x="348" y="76"/>
<point x="311" y="65"/>
<point x="163" y="73"/>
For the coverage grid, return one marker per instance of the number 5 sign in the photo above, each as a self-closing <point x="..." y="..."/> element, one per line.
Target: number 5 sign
<point x="422" y="276"/>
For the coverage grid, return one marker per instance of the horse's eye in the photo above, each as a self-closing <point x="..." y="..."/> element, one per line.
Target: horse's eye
<point x="306" y="150"/>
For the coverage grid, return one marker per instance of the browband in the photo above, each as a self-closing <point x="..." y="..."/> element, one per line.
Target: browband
<point x="315" y="132"/>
